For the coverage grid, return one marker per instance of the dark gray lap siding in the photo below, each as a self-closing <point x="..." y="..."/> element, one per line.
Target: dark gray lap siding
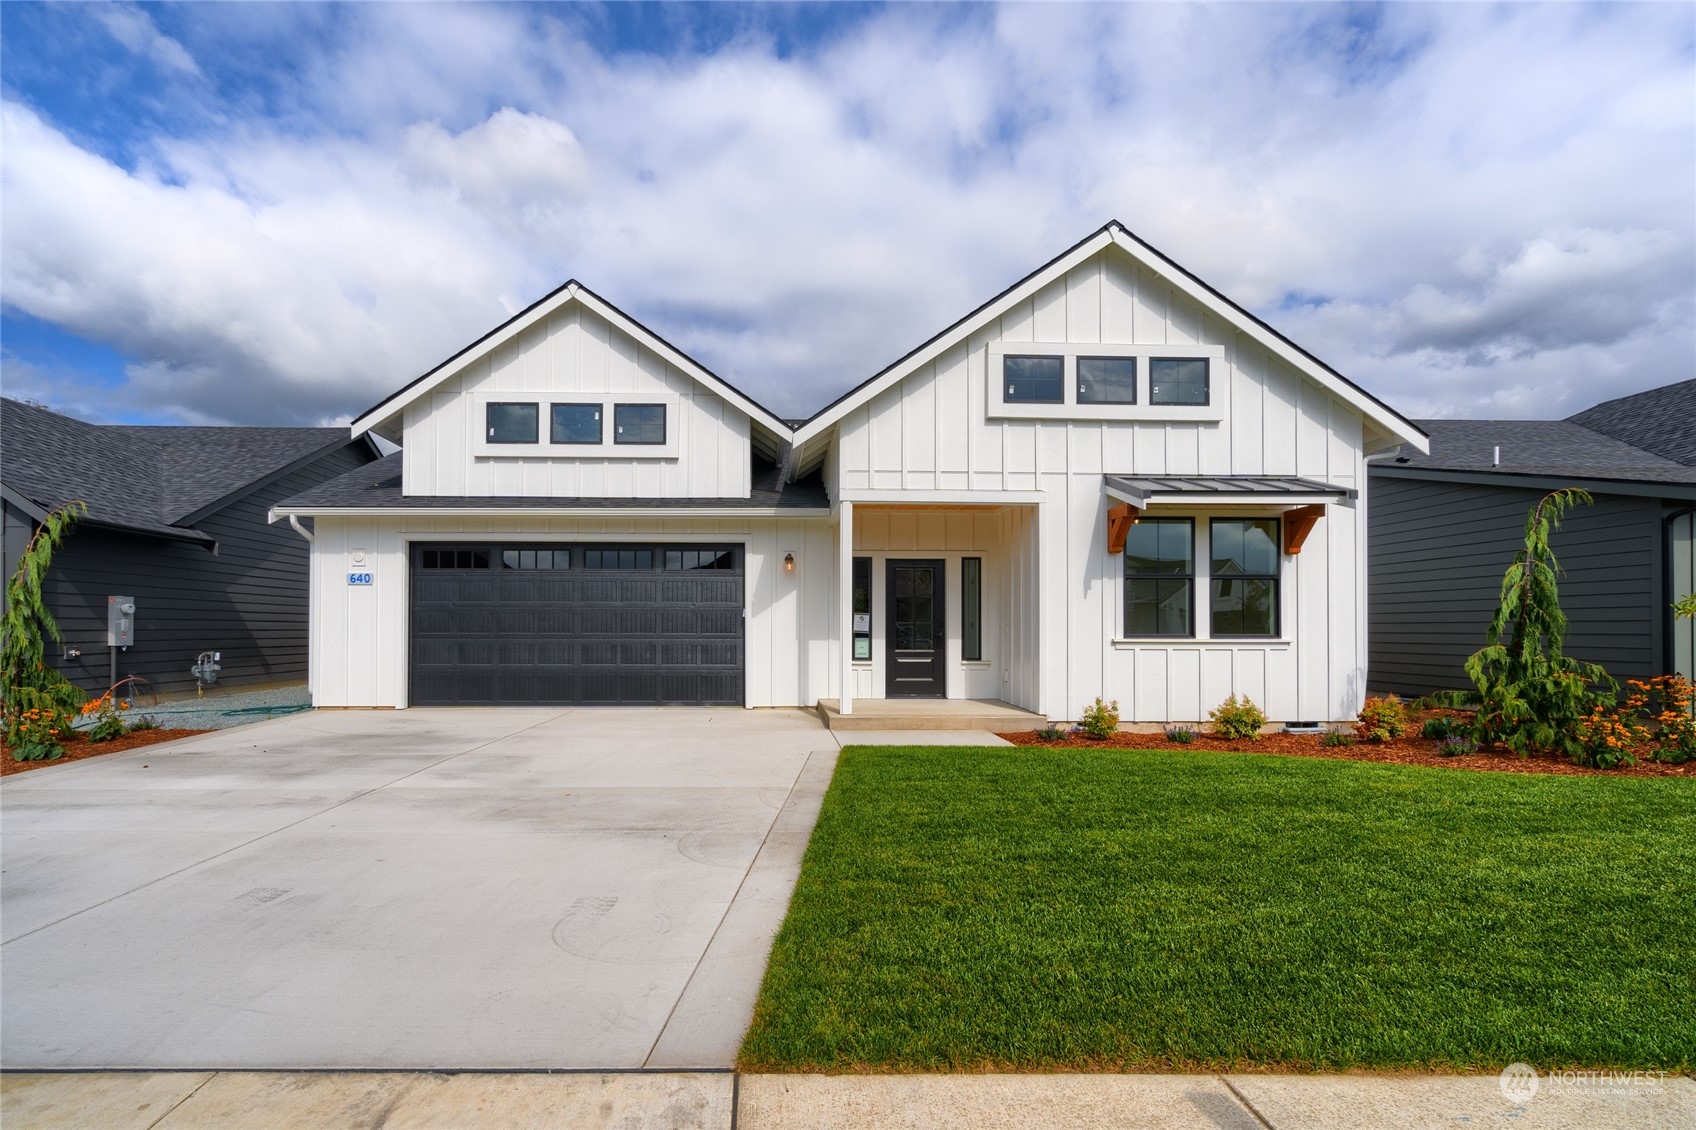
<point x="1437" y="554"/>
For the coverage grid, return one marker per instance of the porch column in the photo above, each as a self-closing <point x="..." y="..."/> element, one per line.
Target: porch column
<point x="845" y="594"/>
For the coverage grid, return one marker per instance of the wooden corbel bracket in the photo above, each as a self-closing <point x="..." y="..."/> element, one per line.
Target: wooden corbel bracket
<point x="1298" y="523"/>
<point x="1120" y="519"/>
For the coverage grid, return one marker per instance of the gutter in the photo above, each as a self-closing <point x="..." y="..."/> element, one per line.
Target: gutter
<point x="292" y="513"/>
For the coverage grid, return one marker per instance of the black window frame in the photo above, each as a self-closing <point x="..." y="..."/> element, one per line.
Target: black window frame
<point x="861" y="594"/>
<point x="1007" y="396"/>
<point x="1206" y="400"/>
<point x="1276" y="577"/>
<point x="618" y="428"/>
<point x="1187" y="578"/>
<point x="600" y="424"/>
<point x="971" y="609"/>
<point x="535" y="422"/>
<point x="457" y="557"/>
<point x="1078" y="376"/>
<point x="528" y="559"/>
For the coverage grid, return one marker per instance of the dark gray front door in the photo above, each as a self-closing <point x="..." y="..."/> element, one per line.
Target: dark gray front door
<point x="915" y="650"/>
<point x="578" y="624"/>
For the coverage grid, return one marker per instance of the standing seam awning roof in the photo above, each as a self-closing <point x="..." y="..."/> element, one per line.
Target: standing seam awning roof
<point x="1142" y="489"/>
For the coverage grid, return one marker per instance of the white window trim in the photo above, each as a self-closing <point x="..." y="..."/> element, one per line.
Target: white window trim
<point x="606" y="449"/>
<point x="1070" y="409"/>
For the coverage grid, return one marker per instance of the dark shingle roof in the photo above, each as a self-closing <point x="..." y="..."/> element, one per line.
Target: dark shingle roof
<point x="377" y="485"/>
<point x="1661" y="420"/>
<point x="146" y="479"/>
<point x="1549" y="448"/>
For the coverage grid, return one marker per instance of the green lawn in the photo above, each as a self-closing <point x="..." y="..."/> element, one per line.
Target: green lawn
<point x="964" y="908"/>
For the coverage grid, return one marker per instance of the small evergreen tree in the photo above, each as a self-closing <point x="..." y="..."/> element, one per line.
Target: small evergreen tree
<point x="39" y="702"/>
<point x="1531" y="696"/>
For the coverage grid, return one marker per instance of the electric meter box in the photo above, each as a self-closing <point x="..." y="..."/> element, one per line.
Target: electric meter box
<point x="120" y="621"/>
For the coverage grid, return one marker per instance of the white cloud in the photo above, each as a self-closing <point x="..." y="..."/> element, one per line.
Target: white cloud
<point x="136" y="30"/>
<point x="1467" y="210"/>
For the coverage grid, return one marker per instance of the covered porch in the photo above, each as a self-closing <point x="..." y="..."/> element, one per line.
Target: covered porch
<point x="938" y="615"/>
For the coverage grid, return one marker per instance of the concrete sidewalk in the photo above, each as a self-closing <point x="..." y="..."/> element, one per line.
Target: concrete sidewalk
<point x="192" y="1100"/>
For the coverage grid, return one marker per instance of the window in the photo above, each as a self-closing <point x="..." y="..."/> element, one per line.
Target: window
<point x="1245" y="577"/>
<point x="683" y="559"/>
<point x="1107" y="380"/>
<point x="971" y="608"/>
<point x="535" y="559"/>
<point x="576" y="423"/>
<point x="1177" y="380"/>
<point x="453" y="559"/>
<point x="862" y="608"/>
<point x="1159" y="576"/>
<point x="1033" y="380"/>
<point x="511" y="423"/>
<point x="638" y="423"/>
<point x="618" y="559"/>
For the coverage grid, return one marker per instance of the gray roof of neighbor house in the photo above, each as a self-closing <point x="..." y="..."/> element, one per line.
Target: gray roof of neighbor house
<point x="150" y="480"/>
<point x="378" y="486"/>
<point x="1661" y="420"/>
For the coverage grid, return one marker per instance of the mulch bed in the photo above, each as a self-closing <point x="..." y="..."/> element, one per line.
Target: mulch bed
<point x="79" y="748"/>
<point x="1405" y="751"/>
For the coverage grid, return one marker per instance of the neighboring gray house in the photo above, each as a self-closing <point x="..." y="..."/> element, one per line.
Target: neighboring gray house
<point x="1443" y="528"/>
<point x="176" y="519"/>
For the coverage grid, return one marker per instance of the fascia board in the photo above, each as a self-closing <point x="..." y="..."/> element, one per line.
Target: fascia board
<point x="961" y="332"/>
<point x="947" y="497"/>
<point x="277" y="512"/>
<point x="1403" y="430"/>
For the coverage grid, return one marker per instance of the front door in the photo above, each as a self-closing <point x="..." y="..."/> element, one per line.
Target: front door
<point x="915" y="656"/>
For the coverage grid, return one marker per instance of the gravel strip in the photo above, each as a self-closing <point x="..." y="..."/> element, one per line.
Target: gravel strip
<point x="223" y="709"/>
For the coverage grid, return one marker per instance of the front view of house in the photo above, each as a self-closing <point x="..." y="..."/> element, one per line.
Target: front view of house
<point x="1107" y="480"/>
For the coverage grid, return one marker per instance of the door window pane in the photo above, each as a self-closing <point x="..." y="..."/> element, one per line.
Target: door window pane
<point x="862" y="608"/>
<point x="971" y="608"/>
<point x="1107" y="380"/>
<point x="576" y="423"/>
<point x="1033" y="380"/>
<point x="1177" y="380"/>
<point x="638" y="423"/>
<point x="511" y="423"/>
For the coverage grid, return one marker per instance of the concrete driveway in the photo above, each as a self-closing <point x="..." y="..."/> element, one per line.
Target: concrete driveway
<point x="504" y="888"/>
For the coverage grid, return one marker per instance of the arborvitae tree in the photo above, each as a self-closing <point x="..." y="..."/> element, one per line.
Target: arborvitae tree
<point x="39" y="701"/>
<point x="1531" y="695"/>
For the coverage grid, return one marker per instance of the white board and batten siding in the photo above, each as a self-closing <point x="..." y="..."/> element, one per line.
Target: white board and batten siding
<point x="361" y="638"/>
<point x="574" y="353"/>
<point x="932" y="432"/>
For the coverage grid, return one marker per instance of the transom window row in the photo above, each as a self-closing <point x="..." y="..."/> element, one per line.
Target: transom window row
<point x="575" y="423"/>
<point x="1041" y="379"/>
<point x="1243" y="577"/>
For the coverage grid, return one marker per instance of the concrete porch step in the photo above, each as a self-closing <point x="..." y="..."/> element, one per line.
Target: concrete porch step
<point x="929" y="714"/>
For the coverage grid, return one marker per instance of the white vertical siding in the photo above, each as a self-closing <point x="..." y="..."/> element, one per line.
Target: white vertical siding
<point x="575" y="351"/>
<point x="932" y="432"/>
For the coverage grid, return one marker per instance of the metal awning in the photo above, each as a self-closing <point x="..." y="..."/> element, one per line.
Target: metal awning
<point x="1143" y="491"/>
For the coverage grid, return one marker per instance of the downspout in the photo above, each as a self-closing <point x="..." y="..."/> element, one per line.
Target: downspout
<point x="1670" y="628"/>
<point x="300" y="529"/>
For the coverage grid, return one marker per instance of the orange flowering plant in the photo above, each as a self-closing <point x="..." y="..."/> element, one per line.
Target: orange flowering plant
<point x="107" y="712"/>
<point x="1609" y="737"/>
<point x="1666" y="701"/>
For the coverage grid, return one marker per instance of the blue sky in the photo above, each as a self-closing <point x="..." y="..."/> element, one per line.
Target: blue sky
<point x="281" y="212"/>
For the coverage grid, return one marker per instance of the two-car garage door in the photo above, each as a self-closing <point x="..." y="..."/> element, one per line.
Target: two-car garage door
<point x="600" y="624"/>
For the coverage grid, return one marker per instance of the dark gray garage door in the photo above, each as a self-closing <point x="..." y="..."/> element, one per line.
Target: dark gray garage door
<point x="576" y="624"/>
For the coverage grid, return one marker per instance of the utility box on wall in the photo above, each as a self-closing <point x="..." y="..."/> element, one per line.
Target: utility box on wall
<point x="120" y="621"/>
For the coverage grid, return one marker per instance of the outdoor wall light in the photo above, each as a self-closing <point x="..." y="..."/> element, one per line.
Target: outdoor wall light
<point x="788" y="562"/>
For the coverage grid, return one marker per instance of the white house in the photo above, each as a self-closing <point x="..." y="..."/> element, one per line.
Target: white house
<point x="1107" y="480"/>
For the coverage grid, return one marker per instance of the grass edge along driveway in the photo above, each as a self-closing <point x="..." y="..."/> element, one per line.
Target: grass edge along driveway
<point x="1010" y="909"/>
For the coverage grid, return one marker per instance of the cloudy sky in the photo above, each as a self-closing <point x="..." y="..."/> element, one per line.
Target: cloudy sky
<point x="264" y="214"/>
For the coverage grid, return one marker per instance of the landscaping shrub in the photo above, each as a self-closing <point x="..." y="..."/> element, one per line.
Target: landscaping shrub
<point x="1182" y="735"/>
<point x="1439" y="727"/>
<point x="36" y="701"/>
<point x="1608" y="738"/>
<point x="1051" y="733"/>
<point x="108" y="718"/>
<point x="1531" y="697"/>
<point x="1381" y="720"/>
<point x="1666" y="699"/>
<point x="1457" y="745"/>
<point x="1100" y="719"/>
<point x="1335" y="738"/>
<point x="1237" y="718"/>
